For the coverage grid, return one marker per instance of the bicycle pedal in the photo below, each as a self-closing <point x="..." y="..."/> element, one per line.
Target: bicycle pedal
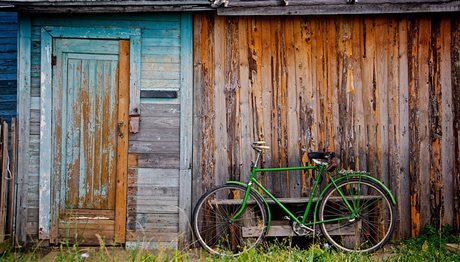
<point x="286" y="218"/>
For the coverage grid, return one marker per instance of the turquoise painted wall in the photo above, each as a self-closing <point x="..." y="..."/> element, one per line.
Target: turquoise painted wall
<point x="8" y="65"/>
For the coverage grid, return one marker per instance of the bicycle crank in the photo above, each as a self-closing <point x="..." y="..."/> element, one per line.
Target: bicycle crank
<point x="301" y="230"/>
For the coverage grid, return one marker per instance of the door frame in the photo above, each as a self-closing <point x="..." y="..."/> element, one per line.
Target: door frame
<point x="48" y="210"/>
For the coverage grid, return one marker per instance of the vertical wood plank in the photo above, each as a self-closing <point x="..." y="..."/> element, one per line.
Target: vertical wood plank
<point x="301" y="63"/>
<point x="329" y="81"/>
<point x="292" y="125"/>
<point x="244" y="102"/>
<point x="435" y="124"/>
<point x="220" y="124"/>
<point x="186" y="91"/>
<point x="122" y="143"/>
<point x="277" y="181"/>
<point x="24" y="66"/>
<point x="381" y="80"/>
<point x="447" y="143"/>
<point x="45" y="137"/>
<point x="58" y="128"/>
<point x="334" y="80"/>
<point x="455" y="54"/>
<point x="369" y="94"/>
<point x="3" y="180"/>
<point x="403" y="184"/>
<point x="231" y="147"/>
<point x="135" y="72"/>
<point x="204" y="174"/>
<point x="12" y="187"/>
<point x="198" y="128"/>
<point x="423" y="120"/>
<point x="413" y="129"/>
<point x="255" y="76"/>
<point x="266" y="79"/>
<point x="394" y="167"/>
<point x="359" y="127"/>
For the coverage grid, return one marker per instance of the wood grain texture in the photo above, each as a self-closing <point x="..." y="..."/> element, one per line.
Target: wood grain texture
<point x="186" y="138"/>
<point x="24" y="91"/>
<point x="455" y="59"/>
<point x="122" y="144"/>
<point x="377" y="91"/>
<point x="4" y="136"/>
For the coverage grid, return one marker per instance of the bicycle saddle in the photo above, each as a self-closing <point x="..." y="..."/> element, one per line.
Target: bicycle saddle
<point x="321" y="155"/>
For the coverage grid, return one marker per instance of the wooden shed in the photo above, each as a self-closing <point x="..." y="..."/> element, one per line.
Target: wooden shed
<point x="129" y="110"/>
<point x="105" y="127"/>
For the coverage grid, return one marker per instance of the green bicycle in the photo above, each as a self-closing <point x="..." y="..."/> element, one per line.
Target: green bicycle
<point x="354" y="211"/>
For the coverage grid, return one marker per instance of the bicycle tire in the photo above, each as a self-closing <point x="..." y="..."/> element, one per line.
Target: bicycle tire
<point x="376" y="216"/>
<point x="216" y="233"/>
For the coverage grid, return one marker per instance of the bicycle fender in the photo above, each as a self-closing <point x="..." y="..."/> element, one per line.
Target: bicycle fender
<point x="269" y="215"/>
<point x="393" y="199"/>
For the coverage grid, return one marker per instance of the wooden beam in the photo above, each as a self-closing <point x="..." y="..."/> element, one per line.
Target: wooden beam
<point x="24" y="66"/>
<point x="122" y="145"/>
<point x="403" y="193"/>
<point x="335" y="7"/>
<point x="12" y="187"/>
<point x="3" y="179"/>
<point x="46" y="105"/>
<point x="447" y="143"/>
<point x="186" y="91"/>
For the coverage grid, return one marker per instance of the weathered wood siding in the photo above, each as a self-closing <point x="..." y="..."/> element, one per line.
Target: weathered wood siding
<point x="382" y="92"/>
<point x="154" y="152"/>
<point x="8" y="64"/>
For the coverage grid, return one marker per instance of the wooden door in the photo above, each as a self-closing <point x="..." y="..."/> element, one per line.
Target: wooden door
<point x="90" y="86"/>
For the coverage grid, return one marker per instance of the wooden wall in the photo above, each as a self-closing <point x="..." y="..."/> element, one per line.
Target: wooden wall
<point x="8" y="65"/>
<point x="383" y="92"/>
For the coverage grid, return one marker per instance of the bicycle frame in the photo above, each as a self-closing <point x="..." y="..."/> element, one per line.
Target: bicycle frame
<point x="320" y="169"/>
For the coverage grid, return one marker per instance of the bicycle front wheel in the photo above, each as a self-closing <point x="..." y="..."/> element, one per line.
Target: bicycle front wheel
<point x="373" y="221"/>
<point x="216" y="228"/>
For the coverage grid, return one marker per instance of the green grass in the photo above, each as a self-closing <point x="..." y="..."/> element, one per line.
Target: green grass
<point x="429" y="246"/>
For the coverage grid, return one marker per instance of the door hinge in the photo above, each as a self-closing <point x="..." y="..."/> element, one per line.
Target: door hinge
<point x="53" y="60"/>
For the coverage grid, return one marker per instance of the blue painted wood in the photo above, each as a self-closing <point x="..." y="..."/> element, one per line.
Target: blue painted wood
<point x="161" y="50"/>
<point x="8" y="33"/>
<point x="90" y="78"/>
<point x="97" y="46"/>
<point x="154" y="50"/>
<point x="161" y="41"/>
<point x="135" y="76"/>
<point x="112" y="33"/>
<point x="103" y="18"/>
<point x="186" y="90"/>
<point x="85" y="128"/>
<point x="92" y="32"/>
<point x="106" y="23"/>
<point x="46" y="106"/>
<point x="24" y="67"/>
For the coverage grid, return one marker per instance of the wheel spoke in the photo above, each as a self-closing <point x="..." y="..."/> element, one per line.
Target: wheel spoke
<point x="368" y="230"/>
<point x="212" y="226"/>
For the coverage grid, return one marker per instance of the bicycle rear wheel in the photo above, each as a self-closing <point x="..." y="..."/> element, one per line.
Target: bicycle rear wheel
<point x="212" y="223"/>
<point x="373" y="223"/>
